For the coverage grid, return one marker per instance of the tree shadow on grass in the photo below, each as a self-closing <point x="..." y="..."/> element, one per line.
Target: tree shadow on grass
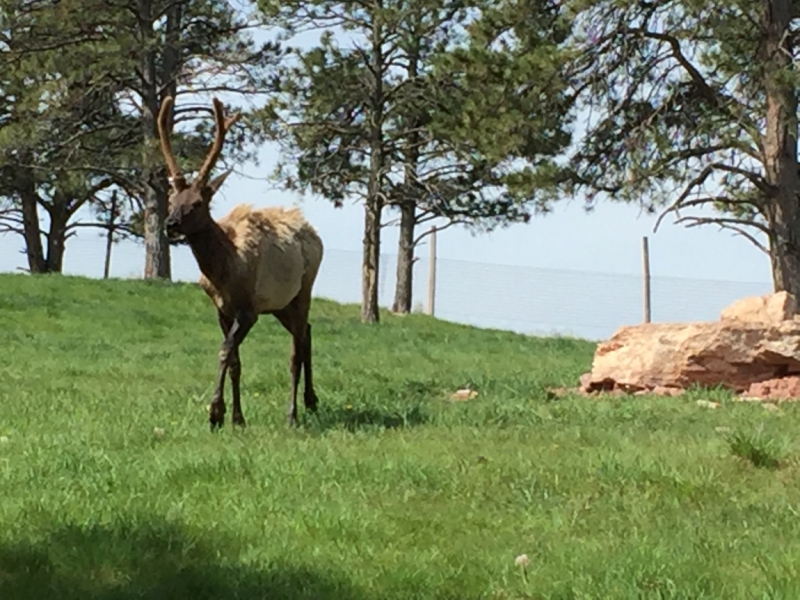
<point x="156" y="561"/>
<point x="358" y="418"/>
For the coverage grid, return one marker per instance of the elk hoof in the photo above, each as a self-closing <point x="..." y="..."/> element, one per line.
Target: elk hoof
<point x="311" y="401"/>
<point x="238" y="420"/>
<point x="216" y="416"/>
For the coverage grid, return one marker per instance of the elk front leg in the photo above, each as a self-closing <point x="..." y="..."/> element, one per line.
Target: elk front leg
<point x="229" y="359"/>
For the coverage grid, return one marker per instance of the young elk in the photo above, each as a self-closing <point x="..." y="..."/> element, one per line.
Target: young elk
<point x="253" y="262"/>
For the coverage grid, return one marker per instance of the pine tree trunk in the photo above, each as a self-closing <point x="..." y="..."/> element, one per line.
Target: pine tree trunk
<point x="57" y="234"/>
<point x="156" y="245"/>
<point x="403" y="292"/>
<point x="373" y="204"/>
<point x="780" y="148"/>
<point x="371" y="261"/>
<point x="31" y="232"/>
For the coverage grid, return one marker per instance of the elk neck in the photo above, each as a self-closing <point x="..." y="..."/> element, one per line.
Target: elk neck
<point x="214" y="253"/>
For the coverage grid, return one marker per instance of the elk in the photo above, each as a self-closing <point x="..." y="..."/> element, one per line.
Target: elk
<point x="252" y="262"/>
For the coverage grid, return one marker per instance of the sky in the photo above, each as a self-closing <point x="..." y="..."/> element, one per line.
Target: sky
<point x="608" y="239"/>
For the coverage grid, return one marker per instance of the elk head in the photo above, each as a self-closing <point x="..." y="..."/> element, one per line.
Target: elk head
<point x="189" y="203"/>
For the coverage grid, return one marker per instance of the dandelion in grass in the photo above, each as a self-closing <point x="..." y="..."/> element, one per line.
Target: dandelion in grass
<point x="158" y="431"/>
<point x="522" y="561"/>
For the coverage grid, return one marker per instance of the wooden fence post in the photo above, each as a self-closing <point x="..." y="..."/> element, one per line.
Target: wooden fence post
<point x="646" y="278"/>
<point x="432" y="272"/>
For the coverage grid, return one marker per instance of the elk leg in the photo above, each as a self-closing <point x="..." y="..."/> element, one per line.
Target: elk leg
<point x="309" y="396"/>
<point x="239" y="327"/>
<point x="288" y="317"/>
<point x="216" y="411"/>
<point x="235" y="373"/>
<point x="295" y="366"/>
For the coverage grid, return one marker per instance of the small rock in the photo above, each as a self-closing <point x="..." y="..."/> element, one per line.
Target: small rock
<point x="746" y="399"/>
<point x="708" y="404"/>
<point x="585" y="381"/>
<point x="463" y="395"/>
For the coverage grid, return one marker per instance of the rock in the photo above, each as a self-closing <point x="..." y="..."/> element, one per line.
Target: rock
<point x="753" y="348"/>
<point x="707" y="404"/>
<point x="659" y="390"/>
<point x="463" y="395"/>
<point x="771" y="308"/>
<point x="585" y="380"/>
<point x="783" y="388"/>
<point x="730" y="353"/>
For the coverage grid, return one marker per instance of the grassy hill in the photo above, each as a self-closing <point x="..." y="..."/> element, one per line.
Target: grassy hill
<point x="391" y="491"/>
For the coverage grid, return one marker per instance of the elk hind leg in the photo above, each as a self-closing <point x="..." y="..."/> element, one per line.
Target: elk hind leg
<point x="235" y="373"/>
<point x="289" y="318"/>
<point x="309" y="396"/>
<point x="302" y="305"/>
<point x="295" y="366"/>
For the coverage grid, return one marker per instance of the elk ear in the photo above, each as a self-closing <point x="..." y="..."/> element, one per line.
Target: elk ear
<point x="217" y="182"/>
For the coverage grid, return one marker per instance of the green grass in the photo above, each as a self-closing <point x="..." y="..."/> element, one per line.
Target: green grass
<point x="392" y="491"/>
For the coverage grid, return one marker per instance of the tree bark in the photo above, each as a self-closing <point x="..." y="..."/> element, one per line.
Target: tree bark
<point x="371" y="261"/>
<point x="373" y="204"/>
<point x="57" y="233"/>
<point x="30" y="228"/>
<point x="403" y="291"/>
<point x="782" y="209"/>
<point x="157" y="260"/>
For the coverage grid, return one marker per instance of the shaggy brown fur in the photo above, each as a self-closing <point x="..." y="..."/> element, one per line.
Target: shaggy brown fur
<point x="253" y="262"/>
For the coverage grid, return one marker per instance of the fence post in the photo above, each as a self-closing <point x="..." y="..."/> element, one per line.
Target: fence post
<point x="432" y="272"/>
<point x="110" y="234"/>
<point x="646" y="278"/>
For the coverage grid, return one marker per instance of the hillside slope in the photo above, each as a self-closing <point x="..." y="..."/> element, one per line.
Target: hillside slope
<point x="111" y="485"/>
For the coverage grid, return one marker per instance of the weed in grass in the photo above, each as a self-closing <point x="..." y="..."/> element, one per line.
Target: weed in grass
<point x="760" y="450"/>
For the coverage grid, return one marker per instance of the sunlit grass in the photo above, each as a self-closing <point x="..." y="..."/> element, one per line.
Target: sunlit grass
<point x="111" y="485"/>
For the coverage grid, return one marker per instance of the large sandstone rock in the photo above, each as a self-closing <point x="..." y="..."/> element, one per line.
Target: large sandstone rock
<point x="772" y="308"/>
<point x="750" y="344"/>
<point x="784" y="388"/>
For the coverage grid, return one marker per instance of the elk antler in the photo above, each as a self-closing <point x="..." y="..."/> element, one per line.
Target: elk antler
<point x="223" y="125"/>
<point x="176" y="177"/>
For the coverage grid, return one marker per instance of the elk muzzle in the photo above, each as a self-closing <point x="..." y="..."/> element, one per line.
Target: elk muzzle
<point x="172" y="228"/>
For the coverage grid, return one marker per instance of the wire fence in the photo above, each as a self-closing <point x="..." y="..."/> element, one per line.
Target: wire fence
<point x="527" y="300"/>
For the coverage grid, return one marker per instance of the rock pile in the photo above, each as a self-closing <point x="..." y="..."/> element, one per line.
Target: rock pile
<point x="754" y="349"/>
